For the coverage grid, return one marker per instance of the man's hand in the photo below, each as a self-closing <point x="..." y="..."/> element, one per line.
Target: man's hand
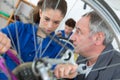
<point x="5" y="43"/>
<point x="65" y="71"/>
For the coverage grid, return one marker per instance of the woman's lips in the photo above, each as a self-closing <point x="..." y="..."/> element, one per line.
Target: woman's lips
<point x="49" y="31"/>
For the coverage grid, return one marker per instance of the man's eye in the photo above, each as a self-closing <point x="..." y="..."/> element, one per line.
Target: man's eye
<point x="77" y="31"/>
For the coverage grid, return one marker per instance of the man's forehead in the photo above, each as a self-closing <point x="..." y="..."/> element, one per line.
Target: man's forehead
<point x="83" y="20"/>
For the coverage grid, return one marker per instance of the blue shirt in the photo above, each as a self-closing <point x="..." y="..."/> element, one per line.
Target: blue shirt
<point x="63" y="35"/>
<point x="25" y="43"/>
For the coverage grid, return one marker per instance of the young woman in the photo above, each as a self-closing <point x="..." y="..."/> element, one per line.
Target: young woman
<point x="32" y="41"/>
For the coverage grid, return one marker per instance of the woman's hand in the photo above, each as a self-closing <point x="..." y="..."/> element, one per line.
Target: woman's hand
<point x="5" y="43"/>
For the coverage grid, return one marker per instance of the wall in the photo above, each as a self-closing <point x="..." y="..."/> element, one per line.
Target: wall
<point x="75" y="10"/>
<point x="6" y="6"/>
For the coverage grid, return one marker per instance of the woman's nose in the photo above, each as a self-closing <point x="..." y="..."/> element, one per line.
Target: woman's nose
<point x="50" y="25"/>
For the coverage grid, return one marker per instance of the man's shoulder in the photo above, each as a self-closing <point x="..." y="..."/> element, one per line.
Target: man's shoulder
<point x="116" y="56"/>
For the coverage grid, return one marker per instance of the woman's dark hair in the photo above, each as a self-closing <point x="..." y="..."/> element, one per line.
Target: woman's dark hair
<point x="50" y="4"/>
<point x="36" y="16"/>
<point x="70" y="22"/>
<point x="55" y="4"/>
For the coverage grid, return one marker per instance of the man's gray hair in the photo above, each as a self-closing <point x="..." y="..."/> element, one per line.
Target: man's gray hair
<point x="97" y="24"/>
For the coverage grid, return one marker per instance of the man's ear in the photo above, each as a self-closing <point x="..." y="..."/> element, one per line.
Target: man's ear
<point x="99" y="38"/>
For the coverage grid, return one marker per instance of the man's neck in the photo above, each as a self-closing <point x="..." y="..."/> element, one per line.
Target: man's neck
<point x="91" y="61"/>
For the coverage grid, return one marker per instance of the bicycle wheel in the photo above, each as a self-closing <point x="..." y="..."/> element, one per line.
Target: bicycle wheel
<point x="107" y="14"/>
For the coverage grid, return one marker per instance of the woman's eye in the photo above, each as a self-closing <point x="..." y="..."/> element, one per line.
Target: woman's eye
<point x="47" y="19"/>
<point x="56" y="22"/>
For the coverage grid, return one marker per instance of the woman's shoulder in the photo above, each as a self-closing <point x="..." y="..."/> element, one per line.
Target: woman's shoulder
<point x="24" y="25"/>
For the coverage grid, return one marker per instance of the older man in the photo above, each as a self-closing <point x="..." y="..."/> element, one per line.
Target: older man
<point x="92" y="40"/>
